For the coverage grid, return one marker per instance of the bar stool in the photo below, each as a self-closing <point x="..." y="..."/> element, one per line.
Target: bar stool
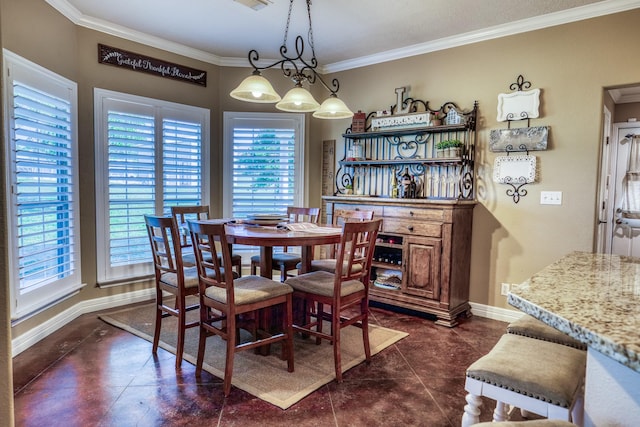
<point x="534" y="375"/>
<point x="529" y="326"/>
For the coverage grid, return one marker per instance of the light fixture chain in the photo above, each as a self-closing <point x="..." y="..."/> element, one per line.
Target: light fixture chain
<point x="313" y="50"/>
<point x="286" y="29"/>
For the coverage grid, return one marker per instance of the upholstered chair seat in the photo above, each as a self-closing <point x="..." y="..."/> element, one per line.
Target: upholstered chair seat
<point x="535" y="375"/>
<point x="529" y="326"/>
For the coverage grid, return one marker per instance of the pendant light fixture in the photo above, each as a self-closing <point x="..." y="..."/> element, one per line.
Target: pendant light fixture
<point x="257" y="88"/>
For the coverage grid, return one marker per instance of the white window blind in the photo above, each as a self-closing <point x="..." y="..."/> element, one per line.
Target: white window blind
<point x="263" y="159"/>
<point x="43" y="185"/>
<point x="153" y="160"/>
<point x="182" y="179"/>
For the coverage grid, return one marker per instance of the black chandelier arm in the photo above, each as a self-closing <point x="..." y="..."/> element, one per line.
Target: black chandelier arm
<point x="289" y="66"/>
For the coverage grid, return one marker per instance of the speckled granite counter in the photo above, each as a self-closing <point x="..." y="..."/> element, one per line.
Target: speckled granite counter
<point x="594" y="298"/>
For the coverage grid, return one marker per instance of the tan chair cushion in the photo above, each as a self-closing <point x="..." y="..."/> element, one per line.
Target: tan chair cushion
<point x="329" y="265"/>
<point x="189" y="258"/>
<point x="531" y="423"/>
<point x="529" y="326"/>
<point x="190" y="277"/>
<point x="249" y="289"/>
<point x="321" y="283"/>
<point x="546" y="371"/>
<point x="280" y="258"/>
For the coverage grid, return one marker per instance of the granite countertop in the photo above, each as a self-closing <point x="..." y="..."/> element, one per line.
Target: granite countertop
<point x="594" y="298"/>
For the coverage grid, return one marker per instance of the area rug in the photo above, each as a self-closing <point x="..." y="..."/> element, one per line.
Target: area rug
<point x="265" y="377"/>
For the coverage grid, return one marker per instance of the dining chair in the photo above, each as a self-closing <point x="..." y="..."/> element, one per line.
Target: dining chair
<point x="345" y="293"/>
<point x="170" y="276"/>
<point x="286" y="261"/>
<point x="340" y="216"/>
<point x="183" y="213"/>
<point x="223" y="299"/>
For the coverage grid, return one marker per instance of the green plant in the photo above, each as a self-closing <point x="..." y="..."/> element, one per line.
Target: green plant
<point x="449" y="143"/>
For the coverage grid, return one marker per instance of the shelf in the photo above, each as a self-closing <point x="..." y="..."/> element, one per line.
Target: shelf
<point x="401" y="132"/>
<point x="429" y="161"/>
<point x="389" y="245"/>
<point x="386" y="265"/>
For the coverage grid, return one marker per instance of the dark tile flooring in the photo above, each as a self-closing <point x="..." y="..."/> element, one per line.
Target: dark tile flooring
<point x="89" y="373"/>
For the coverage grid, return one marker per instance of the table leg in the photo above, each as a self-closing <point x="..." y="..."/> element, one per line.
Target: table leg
<point x="306" y="257"/>
<point x="266" y="317"/>
<point x="266" y="260"/>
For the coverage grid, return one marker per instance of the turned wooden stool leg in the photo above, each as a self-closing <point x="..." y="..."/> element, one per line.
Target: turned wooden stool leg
<point x="472" y="410"/>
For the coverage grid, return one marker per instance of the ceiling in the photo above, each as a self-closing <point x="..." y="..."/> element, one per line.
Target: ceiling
<point x="347" y="33"/>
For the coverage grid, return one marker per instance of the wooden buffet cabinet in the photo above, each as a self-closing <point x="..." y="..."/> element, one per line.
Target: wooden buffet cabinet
<point x="431" y="246"/>
<point x="424" y="244"/>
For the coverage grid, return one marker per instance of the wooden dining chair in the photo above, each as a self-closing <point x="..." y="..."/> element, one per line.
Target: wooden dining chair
<point x="340" y="216"/>
<point x="183" y="213"/>
<point x="170" y="276"/>
<point x="223" y="299"/>
<point x="345" y="293"/>
<point x="285" y="261"/>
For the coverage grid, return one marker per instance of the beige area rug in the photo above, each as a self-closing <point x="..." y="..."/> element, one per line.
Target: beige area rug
<point x="265" y="377"/>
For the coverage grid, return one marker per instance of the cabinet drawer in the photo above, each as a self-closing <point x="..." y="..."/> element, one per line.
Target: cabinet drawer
<point x="405" y="226"/>
<point x="421" y="214"/>
<point x="377" y="210"/>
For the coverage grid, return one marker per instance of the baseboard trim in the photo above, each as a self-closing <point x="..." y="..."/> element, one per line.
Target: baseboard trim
<point x="29" y="338"/>
<point x="495" y="313"/>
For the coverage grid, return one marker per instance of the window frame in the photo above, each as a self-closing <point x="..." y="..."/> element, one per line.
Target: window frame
<point x="108" y="275"/>
<point x="19" y="69"/>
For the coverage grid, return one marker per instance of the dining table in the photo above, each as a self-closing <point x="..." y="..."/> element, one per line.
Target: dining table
<point x="268" y="237"/>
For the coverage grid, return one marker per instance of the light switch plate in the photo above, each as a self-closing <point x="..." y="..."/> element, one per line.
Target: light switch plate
<point x="551" y="197"/>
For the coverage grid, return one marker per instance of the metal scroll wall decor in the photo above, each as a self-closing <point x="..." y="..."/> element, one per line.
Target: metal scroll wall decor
<point x="520" y="169"/>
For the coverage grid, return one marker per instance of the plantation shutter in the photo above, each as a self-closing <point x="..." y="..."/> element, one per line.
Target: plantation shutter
<point x="131" y="187"/>
<point x="44" y="187"/>
<point x="264" y="170"/>
<point x="41" y="169"/>
<point x="150" y="155"/>
<point x="182" y="163"/>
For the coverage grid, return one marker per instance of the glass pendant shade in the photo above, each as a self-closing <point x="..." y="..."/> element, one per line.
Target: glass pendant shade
<point x="255" y="88"/>
<point x="333" y="108"/>
<point x="298" y="100"/>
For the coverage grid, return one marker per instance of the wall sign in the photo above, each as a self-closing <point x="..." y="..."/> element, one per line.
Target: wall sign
<point x="133" y="61"/>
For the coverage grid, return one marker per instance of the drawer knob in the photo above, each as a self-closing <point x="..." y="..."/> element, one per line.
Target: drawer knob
<point x="411" y="213"/>
<point x="410" y="228"/>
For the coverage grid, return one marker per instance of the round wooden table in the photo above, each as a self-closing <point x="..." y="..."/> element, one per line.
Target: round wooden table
<point x="268" y="237"/>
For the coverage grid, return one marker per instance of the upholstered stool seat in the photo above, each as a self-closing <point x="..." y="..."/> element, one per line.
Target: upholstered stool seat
<point x="529" y="326"/>
<point x="531" y="423"/>
<point x="537" y="376"/>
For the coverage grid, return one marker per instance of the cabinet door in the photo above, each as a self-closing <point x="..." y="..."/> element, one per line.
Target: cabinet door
<point x="422" y="267"/>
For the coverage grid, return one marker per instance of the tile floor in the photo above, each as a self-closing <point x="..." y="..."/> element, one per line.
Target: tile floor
<point x="92" y="374"/>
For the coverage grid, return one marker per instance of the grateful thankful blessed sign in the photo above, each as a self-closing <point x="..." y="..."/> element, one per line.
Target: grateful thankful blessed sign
<point x="133" y="61"/>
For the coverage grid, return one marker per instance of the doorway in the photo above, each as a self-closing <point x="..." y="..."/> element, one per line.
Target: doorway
<point x="618" y="232"/>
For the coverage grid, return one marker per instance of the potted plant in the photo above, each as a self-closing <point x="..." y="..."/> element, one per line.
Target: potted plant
<point x="455" y="148"/>
<point x="348" y="189"/>
<point x="449" y="148"/>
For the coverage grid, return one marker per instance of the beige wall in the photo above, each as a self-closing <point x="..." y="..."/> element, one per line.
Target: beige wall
<point x="571" y="64"/>
<point x="624" y="112"/>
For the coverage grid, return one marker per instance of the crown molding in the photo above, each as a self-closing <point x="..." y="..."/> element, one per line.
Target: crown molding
<point x="593" y="10"/>
<point x="517" y="27"/>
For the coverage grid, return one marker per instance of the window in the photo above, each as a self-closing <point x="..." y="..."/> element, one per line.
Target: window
<point x="42" y="185"/>
<point x="149" y="156"/>
<point x="263" y="163"/>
